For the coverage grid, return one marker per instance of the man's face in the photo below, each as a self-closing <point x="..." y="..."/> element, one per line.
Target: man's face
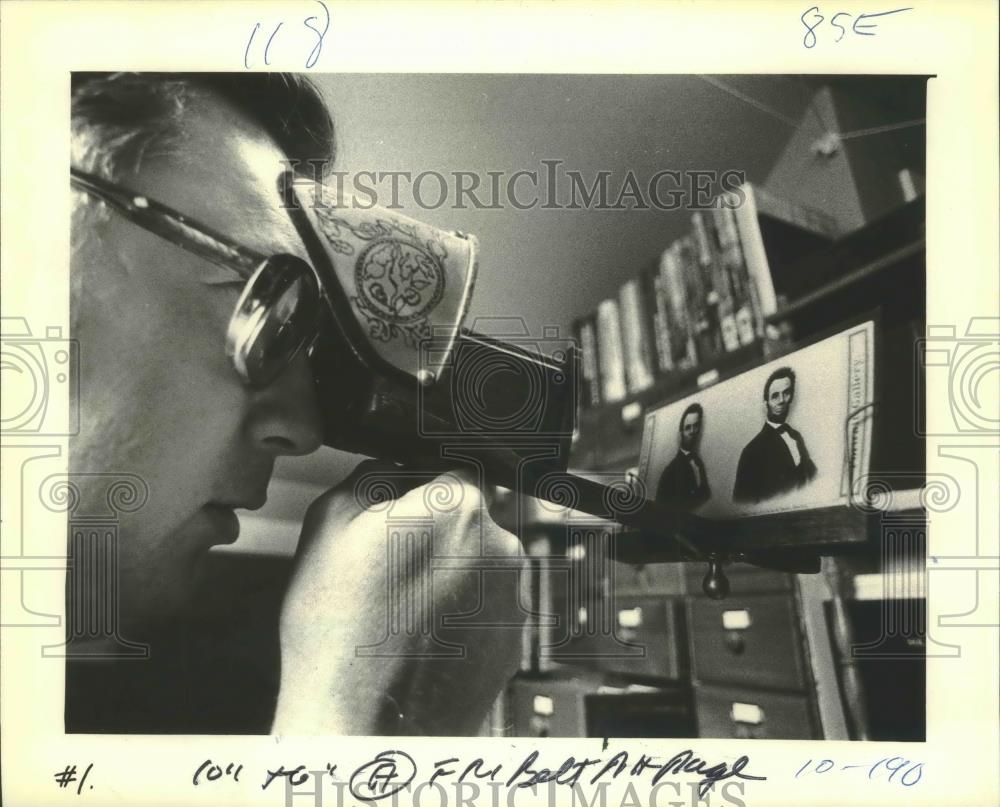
<point x="159" y="397"/>
<point x="779" y="399"/>
<point x="690" y="431"/>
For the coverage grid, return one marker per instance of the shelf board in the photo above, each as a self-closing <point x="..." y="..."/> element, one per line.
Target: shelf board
<point x="851" y="278"/>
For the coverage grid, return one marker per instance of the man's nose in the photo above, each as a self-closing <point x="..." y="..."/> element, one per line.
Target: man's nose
<point x="284" y="418"/>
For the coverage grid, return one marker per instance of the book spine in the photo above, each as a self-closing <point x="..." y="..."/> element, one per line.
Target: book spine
<point x="700" y="301"/>
<point x="584" y="330"/>
<point x="635" y="338"/>
<point x="735" y="266"/>
<point x="680" y="322"/>
<point x="611" y="361"/>
<point x="658" y="297"/>
<point x="720" y="293"/>
<point x="755" y="256"/>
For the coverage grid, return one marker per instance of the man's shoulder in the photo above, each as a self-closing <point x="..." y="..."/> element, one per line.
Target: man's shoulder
<point x="676" y="460"/>
<point x="670" y="470"/>
<point x="759" y="441"/>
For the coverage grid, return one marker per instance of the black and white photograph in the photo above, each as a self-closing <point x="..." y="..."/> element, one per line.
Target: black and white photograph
<point x="503" y="403"/>
<point x="311" y="308"/>
<point x="791" y="434"/>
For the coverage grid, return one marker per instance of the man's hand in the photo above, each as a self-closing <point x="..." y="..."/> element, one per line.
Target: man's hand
<point x="363" y="646"/>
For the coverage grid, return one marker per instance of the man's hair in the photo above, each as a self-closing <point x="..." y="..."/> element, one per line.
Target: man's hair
<point x="781" y="372"/>
<point x="119" y="118"/>
<point x="693" y="408"/>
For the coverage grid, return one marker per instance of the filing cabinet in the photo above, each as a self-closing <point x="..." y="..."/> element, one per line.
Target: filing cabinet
<point x="754" y="639"/>
<point x="744" y="713"/>
<point x="547" y="707"/>
<point x="637" y="636"/>
<point x="584" y="705"/>
<point x="662" y="713"/>
<point x="749" y="665"/>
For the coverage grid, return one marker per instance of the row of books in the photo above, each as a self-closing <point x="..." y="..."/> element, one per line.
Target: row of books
<point x="708" y="294"/>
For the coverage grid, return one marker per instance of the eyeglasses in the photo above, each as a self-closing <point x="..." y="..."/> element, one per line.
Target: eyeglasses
<point x="278" y="312"/>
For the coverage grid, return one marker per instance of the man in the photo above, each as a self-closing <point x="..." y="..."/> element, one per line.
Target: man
<point x="161" y="401"/>
<point x="776" y="460"/>
<point x="684" y="484"/>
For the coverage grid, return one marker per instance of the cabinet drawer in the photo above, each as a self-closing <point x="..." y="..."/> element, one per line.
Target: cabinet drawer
<point x="553" y="708"/>
<point x="741" y="713"/>
<point x="635" y="636"/>
<point x="747" y="640"/>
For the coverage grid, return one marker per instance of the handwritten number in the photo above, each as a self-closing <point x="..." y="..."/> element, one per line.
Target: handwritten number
<point x="835" y="24"/>
<point x="318" y="47"/>
<point x="270" y="39"/>
<point x="871" y="771"/>
<point x="860" y="27"/>
<point x="246" y="53"/>
<point x="827" y="762"/>
<point x="67" y="776"/>
<point x="895" y="770"/>
<point x="309" y="22"/>
<point x="811" y="29"/>
<point x="918" y="767"/>
<point x="799" y="771"/>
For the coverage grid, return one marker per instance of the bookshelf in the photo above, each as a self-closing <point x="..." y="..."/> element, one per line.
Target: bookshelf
<point x="764" y="660"/>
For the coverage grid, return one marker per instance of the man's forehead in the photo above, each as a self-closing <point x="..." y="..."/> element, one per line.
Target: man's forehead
<point x="222" y="171"/>
<point x="781" y="384"/>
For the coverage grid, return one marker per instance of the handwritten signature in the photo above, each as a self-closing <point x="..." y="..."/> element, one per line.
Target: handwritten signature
<point x="393" y="770"/>
<point x="863" y="24"/>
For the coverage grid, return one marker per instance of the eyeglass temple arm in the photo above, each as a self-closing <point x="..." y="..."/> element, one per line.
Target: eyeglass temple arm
<point x="169" y="224"/>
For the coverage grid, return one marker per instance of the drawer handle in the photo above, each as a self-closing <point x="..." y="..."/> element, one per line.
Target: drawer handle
<point x="736" y="620"/>
<point x="542" y="705"/>
<point x="630" y="617"/>
<point x="735" y="642"/>
<point x="749" y="713"/>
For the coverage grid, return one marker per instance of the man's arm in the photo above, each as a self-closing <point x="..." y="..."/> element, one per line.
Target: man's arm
<point x="744" y="489"/>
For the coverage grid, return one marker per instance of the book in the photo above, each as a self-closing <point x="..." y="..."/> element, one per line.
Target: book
<point x="636" y="340"/>
<point x="773" y="233"/>
<point x="701" y="305"/>
<point x="611" y="353"/>
<point x="717" y="280"/>
<point x="657" y="295"/>
<point x="585" y="333"/>
<point x="749" y="325"/>
<point x="679" y="321"/>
